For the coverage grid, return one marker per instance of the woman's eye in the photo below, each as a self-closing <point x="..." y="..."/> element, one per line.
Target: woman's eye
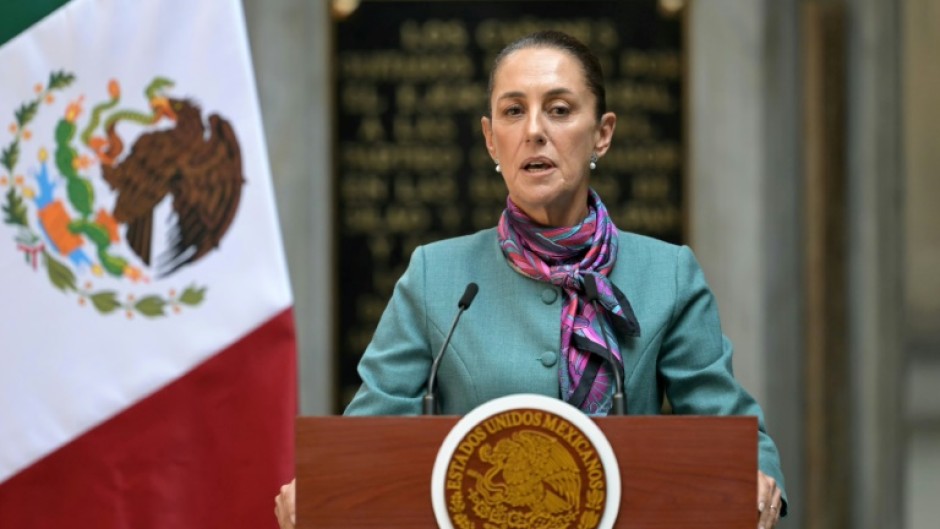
<point x="559" y="111"/>
<point x="512" y="111"/>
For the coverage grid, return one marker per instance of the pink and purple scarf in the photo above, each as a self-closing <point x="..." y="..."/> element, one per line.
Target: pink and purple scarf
<point x="562" y="257"/>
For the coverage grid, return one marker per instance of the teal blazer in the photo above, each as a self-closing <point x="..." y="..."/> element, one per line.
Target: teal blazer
<point x="508" y="341"/>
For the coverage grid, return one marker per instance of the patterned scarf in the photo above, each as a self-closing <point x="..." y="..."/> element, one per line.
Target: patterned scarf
<point x="562" y="257"/>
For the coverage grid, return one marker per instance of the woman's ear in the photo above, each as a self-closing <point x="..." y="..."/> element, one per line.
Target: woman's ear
<point x="605" y="133"/>
<point x="487" y="126"/>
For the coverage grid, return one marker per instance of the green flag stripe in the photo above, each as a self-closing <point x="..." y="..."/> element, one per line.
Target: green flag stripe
<point x="18" y="15"/>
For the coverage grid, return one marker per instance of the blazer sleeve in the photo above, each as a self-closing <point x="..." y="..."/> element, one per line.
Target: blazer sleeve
<point x="395" y="365"/>
<point x="695" y="363"/>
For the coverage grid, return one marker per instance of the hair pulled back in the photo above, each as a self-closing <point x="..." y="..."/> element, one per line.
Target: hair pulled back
<point x="590" y="66"/>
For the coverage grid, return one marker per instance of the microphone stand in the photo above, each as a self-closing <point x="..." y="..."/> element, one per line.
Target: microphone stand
<point x="619" y="401"/>
<point x="429" y="403"/>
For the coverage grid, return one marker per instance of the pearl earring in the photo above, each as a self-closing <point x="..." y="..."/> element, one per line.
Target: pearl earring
<point x="498" y="168"/>
<point x="593" y="164"/>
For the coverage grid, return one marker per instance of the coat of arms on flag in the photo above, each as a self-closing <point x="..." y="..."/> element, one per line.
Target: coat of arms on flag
<point x="61" y="218"/>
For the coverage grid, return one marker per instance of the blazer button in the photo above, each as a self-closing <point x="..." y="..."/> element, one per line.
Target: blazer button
<point x="548" y="358"/>
<point x="549" y="295"/>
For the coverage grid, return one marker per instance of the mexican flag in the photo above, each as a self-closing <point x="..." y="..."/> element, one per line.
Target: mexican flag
<point x="147" y="352"/>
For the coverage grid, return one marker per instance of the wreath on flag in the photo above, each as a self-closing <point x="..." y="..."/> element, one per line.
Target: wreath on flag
<point x="76" y="237"/>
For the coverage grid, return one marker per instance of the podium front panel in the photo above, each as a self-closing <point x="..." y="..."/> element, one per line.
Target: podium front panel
<point x="676" y="471"/>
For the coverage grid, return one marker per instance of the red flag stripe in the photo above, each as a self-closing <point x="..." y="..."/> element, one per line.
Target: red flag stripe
<point x="208" y="450"/>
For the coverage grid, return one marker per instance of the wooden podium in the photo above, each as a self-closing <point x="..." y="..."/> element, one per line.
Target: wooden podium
<point x="676" y="471"/>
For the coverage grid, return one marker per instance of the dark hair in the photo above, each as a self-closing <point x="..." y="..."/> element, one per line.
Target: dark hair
<point x="593" y="75"/>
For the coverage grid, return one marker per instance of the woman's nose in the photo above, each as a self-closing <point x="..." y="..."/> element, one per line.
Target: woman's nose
<point x="535" y="130"/>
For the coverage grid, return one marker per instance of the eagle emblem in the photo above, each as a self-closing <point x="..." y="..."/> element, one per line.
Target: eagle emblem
<point x="84" y="199"/>
<point x="532" y="479"/>
<point x="521" y="468"/>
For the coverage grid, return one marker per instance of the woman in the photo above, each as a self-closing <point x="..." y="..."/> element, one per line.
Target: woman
<point x="531" y="329"/>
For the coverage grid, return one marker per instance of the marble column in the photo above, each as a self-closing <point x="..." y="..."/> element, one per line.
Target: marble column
<point x="290" y="43"/>
<point x="744" y="182"/>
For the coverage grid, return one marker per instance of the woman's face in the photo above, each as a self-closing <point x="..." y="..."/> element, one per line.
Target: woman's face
<point x="543" y="132"/>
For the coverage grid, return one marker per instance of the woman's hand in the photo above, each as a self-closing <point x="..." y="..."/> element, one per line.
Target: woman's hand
<point x="285" y="505"/>
<point x="768" y="501"/>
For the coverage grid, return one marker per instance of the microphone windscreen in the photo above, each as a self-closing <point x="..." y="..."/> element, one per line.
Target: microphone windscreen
<point x="468" y="296"/>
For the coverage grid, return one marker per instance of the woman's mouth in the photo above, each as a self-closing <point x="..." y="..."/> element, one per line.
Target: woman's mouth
<point x="538" y="165"/>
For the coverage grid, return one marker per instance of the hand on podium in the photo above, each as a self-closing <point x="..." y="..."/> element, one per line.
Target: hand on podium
<point x="285" y="505"/>
<point x="768" y="501"/>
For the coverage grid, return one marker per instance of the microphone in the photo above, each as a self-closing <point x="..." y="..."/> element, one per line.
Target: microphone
<point x="462" y="305"/>
<point x="619" y="403"/>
